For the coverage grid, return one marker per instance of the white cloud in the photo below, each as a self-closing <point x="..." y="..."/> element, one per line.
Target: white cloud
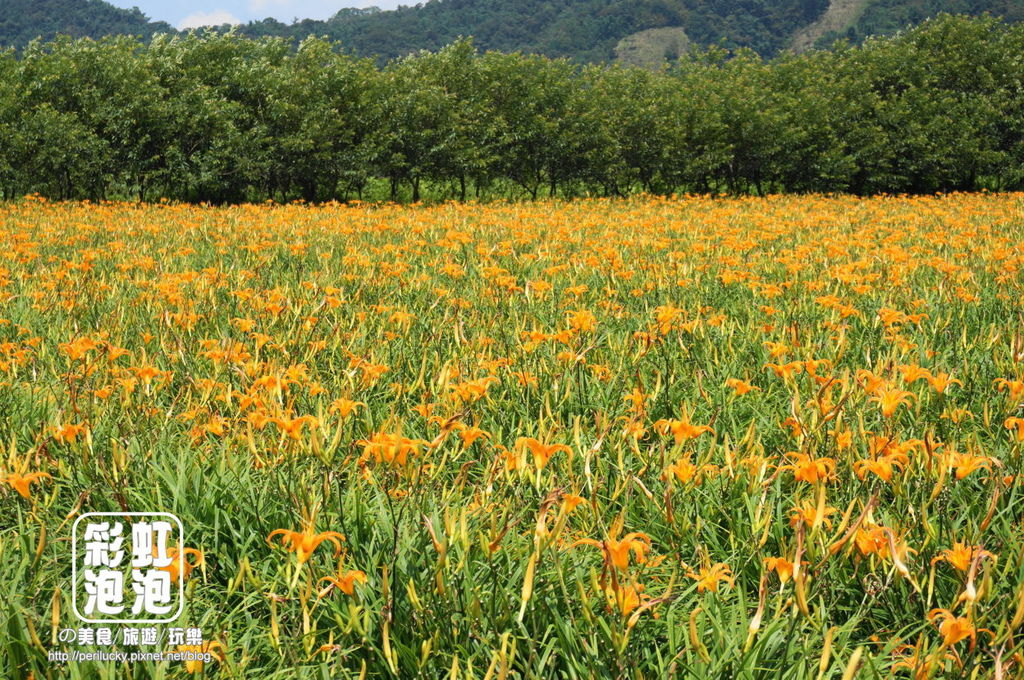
<point x="214" y="18"/>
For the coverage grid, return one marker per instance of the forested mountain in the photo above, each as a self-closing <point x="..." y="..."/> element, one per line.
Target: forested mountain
<point x="584" y="30"/>
<point x="587" y="30"/>
<point x="883" y="17"/>
<point x="23" y="20"/>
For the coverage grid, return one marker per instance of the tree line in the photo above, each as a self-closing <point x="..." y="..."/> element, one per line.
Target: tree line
<point x="223" y="118"/>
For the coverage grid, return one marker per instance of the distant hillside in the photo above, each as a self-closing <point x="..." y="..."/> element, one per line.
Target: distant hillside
<point x="653" y="47"/>
<point x="638" y="31"/>
<point x="23" y="20"/>
<point x="586" y="30"/>
<point x="884" y="17"/>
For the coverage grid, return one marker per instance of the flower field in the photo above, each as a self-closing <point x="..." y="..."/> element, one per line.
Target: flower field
<point x="697" y="438"/>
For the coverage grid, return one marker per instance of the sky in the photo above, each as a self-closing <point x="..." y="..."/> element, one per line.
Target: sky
<point x="190" y="13"/>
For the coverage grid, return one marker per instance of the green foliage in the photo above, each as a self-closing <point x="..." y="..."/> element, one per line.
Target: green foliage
<point x="884" y="17"/>
<point x="224" y="118"/>
<point x="22" y="21"/>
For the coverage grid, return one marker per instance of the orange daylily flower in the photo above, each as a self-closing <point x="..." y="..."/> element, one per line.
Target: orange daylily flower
<point x="786" y="371"/>
<point x="637" y="401"/>
<point x="1015" y="425"/>
<point x="912" y="374"/>
<point x="616" y="551"/>
<point x="542" y="452"/>
<point x="781" y="566"/>
<point x="808" y="469"/>
<point x="293" y="426"/>
<point x="966" y="463"/>
<point x="919" y="661"/>
<point x="740" y="386"/>
<point x="393" y="449"/>
<point x="869" y="381"/>
<point x="961" y="555"/>
<point x="941" y="382"/>
<point x="345" y="407"/>
<point x="709" y="577"/>
<point x="953" y="628"/>
<point x="570" y="501"/>
<point x="471" y="434"/>
<point x="957" y="415"/>
<point x="685" y="471"/>
<point x="181" y="567"/>
<point x="20" y="483"/>
<point x="212" y="647"/>
<point x="583" y="321"/>
<point x="891" y="399"/>
<point x="472" y="390"/>
<point x="882" y="466"/>
<point x="147" y="374"/>
<point x="625" y="599"/>
<point x="77" y="348"/>
<point x="68" y="434"/>
<point x="633" y="429"/>
<point x="807" y="512"/>
<point x="345" y="581"/>
<point x="1013" y="388"/>
<point x="682" y="430"/>
<point x="873" y="539"/>
<point x="305" y="542"/>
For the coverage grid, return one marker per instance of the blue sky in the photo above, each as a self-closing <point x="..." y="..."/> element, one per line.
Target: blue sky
<point x="188" y="13"/>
